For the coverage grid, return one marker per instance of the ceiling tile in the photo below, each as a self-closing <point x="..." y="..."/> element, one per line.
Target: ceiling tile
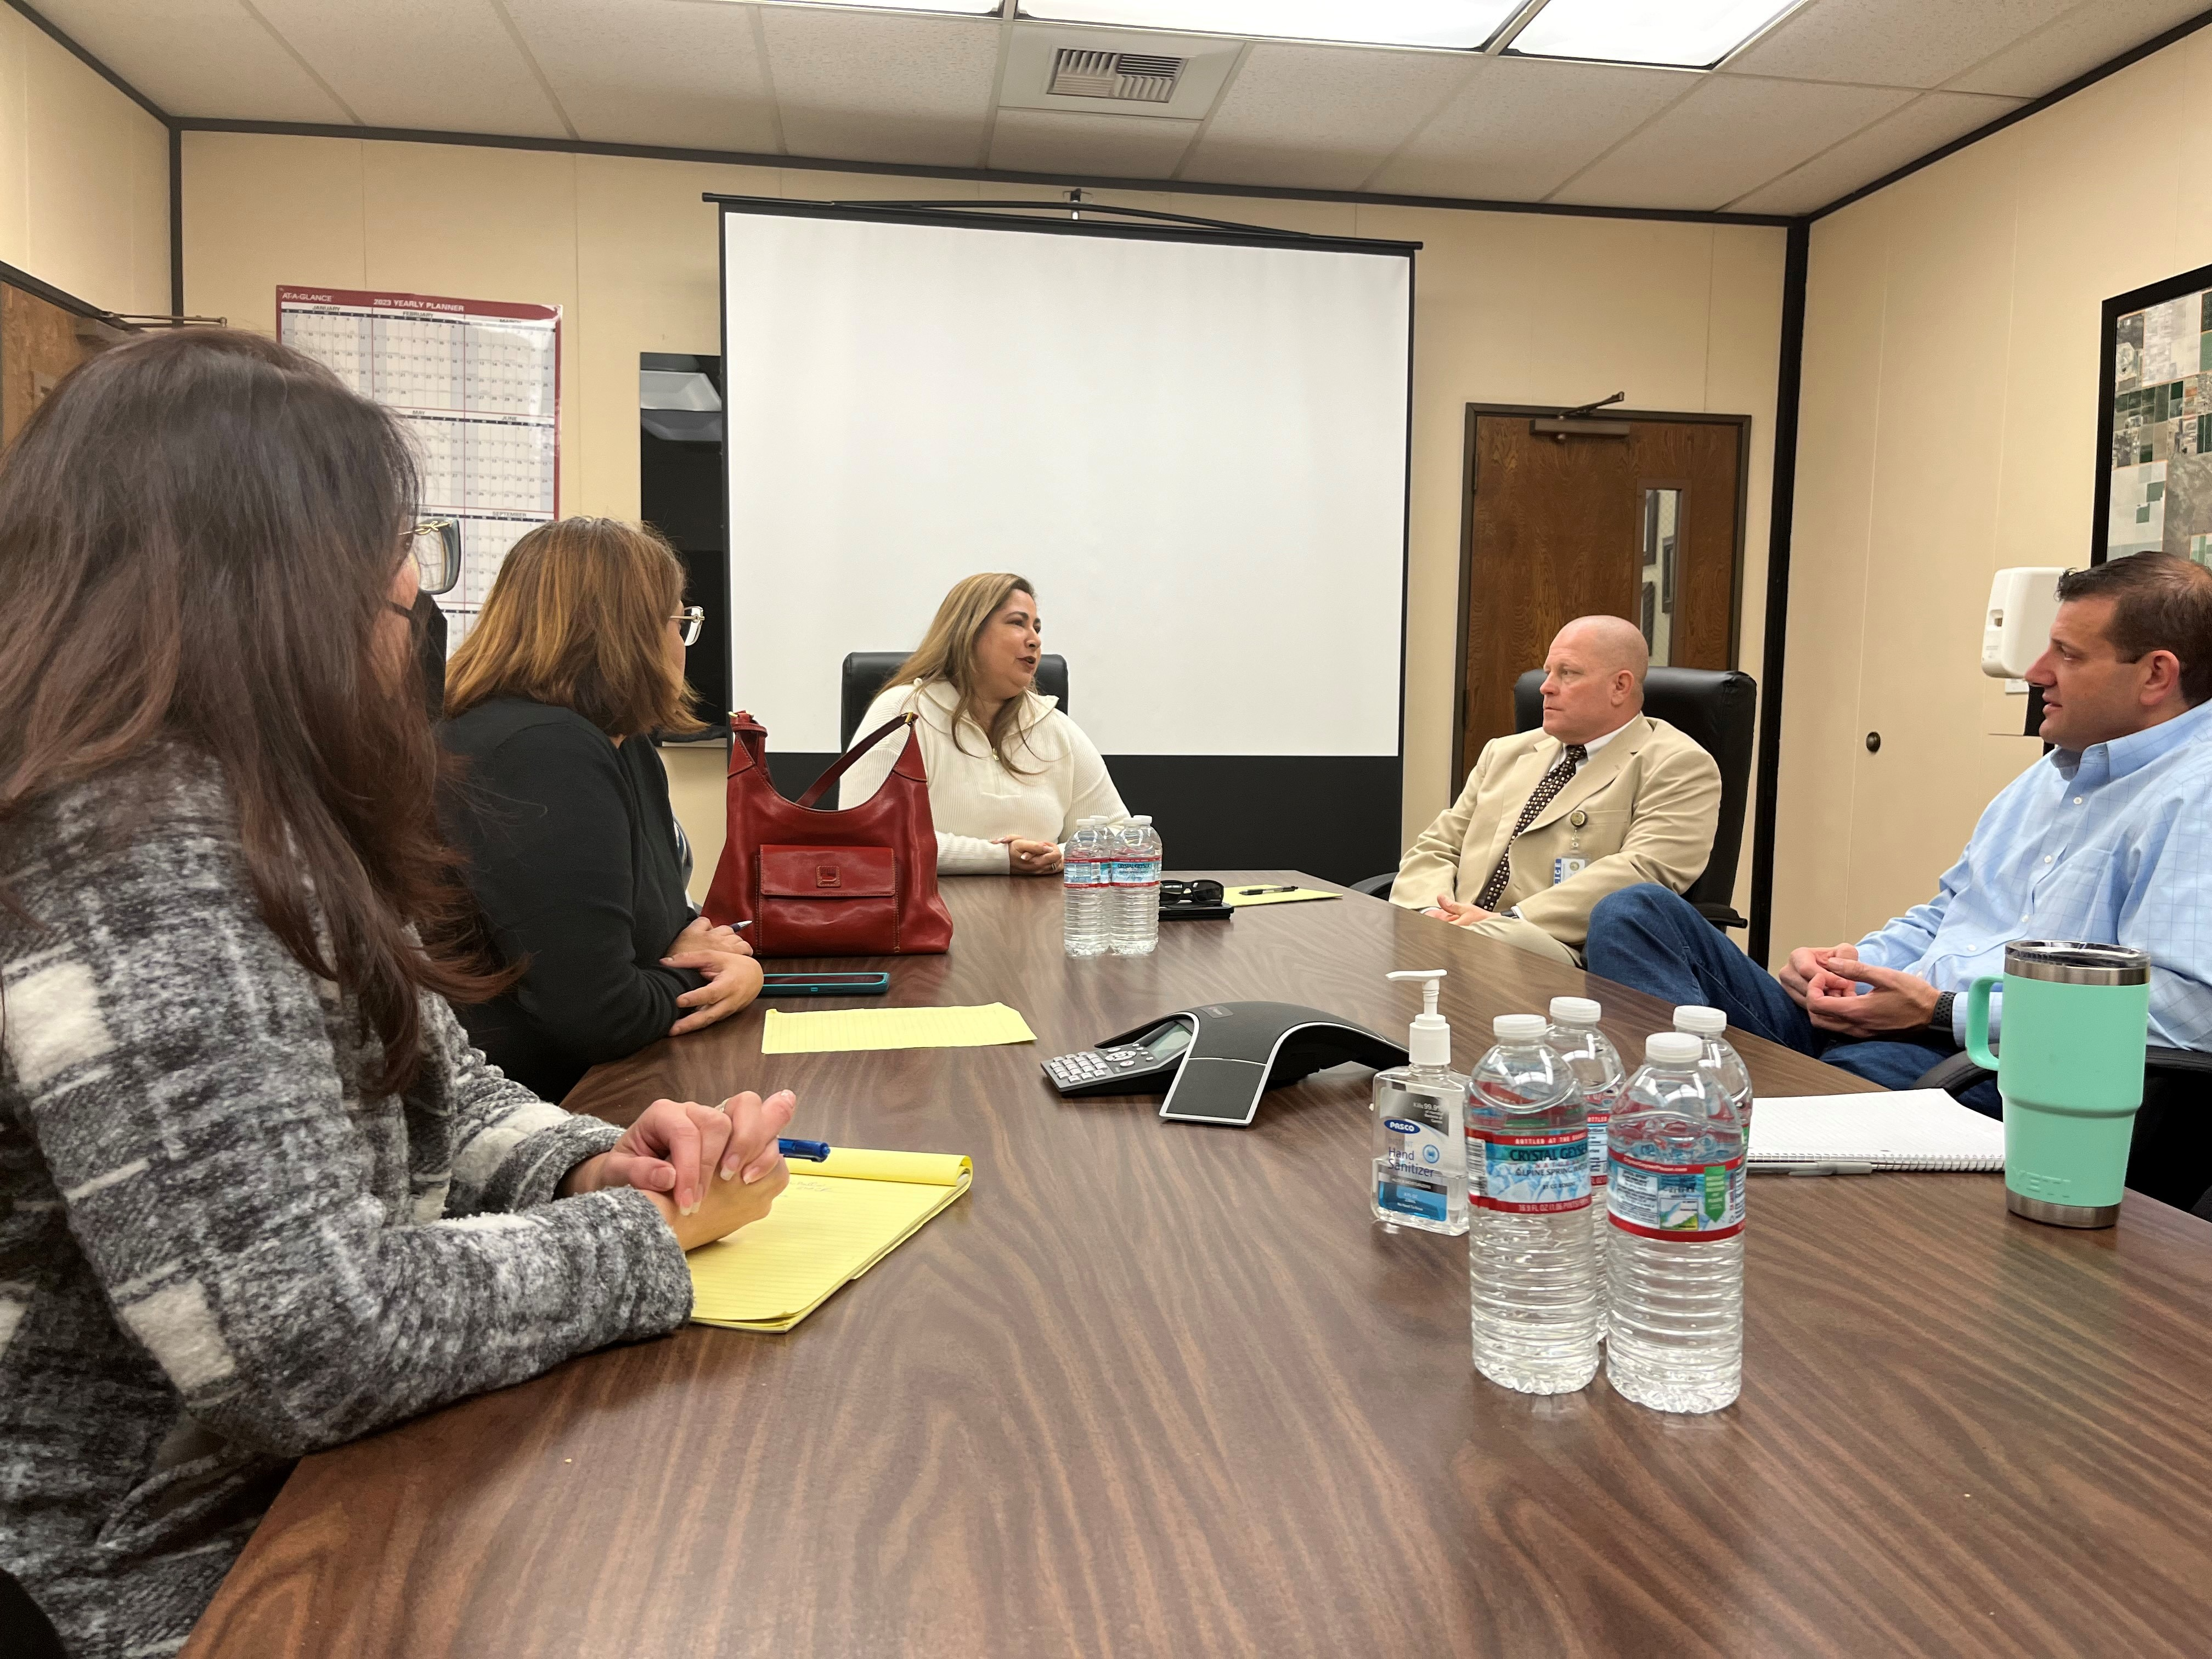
<point x="436" y="65"/>
<point x="1927" y="124"/>
<point x="1108" y="146"/>
<point x="2078" y="42"/>
<point x="1893" y="43"/>
<point x="206" y="58"/>
<point x="1522" y="127"/>
<point x="1321" y="117"/>
<point x="654" y="71"/>
<point x="1731" y="135"/>
<point x="876" y="87"/>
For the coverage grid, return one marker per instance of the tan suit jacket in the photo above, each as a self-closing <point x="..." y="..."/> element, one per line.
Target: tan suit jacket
<point x="1643" y="808"/>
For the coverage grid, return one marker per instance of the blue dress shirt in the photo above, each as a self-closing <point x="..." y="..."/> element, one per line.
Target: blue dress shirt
<point x="2111" y="845"/>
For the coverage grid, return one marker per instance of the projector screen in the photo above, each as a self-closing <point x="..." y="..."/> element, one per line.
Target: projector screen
<point x="1194" y="444"/>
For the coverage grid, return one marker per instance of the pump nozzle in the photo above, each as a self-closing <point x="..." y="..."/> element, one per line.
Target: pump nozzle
<point x="1429" y="1043"/>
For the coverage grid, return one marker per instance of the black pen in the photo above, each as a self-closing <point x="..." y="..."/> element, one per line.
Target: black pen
<point x="1254" y="892"/>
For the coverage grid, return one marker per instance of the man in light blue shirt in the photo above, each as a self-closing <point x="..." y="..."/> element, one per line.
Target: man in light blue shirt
<point x="2106" y="838"/>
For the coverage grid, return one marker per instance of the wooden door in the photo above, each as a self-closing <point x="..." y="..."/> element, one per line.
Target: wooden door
<point x="1645" y="522"/>
<point x="40" y="345"/>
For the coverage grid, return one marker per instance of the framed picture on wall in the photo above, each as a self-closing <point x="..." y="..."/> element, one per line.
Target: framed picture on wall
<point x="2154" y="422"/>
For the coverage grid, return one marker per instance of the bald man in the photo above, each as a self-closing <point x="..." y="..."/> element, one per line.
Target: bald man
<point x="1603" y="797"/>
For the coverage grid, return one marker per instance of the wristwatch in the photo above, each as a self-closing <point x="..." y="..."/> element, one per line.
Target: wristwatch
<point x="1941" y="1019"/>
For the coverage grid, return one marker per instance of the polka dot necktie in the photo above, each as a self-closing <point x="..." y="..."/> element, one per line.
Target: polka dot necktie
<point x="1546" y="791"/>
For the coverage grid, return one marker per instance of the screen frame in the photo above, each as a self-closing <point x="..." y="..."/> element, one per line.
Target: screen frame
<point x="1167" y="228"/>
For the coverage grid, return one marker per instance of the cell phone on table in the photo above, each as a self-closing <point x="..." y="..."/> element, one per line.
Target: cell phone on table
<point x="824" y="985"/>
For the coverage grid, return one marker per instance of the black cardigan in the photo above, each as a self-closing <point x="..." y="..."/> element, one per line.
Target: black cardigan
<point x="573" y="858"/>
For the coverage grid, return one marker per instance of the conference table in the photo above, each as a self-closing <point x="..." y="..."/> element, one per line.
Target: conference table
<point x="1160" y="1389"/>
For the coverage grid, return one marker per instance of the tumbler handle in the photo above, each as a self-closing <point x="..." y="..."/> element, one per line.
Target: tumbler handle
<point x="1977" y="1020"/>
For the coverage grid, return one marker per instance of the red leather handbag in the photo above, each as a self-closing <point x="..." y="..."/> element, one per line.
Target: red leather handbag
<point x="859" y="881"/>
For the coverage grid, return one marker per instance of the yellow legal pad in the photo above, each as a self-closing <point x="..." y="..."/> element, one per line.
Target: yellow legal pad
<point x="1236" y="899"/>
<point x="845" y="1031"/>
<point x="835" y="1220"/>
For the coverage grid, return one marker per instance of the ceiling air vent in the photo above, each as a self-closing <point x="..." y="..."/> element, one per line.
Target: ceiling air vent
<point x="1131" y="78"/>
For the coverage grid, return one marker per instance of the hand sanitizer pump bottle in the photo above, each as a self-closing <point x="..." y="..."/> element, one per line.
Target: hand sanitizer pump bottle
<point x="1420" y="1168"/>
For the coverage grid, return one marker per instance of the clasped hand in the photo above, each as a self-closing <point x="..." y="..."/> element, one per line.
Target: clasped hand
<point x="709" y="1169"/>
<point x="1825" y="983"/>
<point x="733" y="978"/>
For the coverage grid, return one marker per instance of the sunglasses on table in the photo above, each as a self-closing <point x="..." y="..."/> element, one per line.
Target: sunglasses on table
<point x="1190" y="892"/>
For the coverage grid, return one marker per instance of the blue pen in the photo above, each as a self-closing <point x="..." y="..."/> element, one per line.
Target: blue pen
<point x="814" y="1151"/>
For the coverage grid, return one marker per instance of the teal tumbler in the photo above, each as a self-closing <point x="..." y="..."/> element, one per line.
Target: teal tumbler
<point x="2071" y="1072"/>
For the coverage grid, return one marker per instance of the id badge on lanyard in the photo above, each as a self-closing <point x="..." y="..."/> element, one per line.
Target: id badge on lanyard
<point x="1574" y="863"/>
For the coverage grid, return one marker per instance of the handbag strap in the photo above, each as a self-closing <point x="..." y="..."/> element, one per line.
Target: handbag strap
<point x="844" y="762"/>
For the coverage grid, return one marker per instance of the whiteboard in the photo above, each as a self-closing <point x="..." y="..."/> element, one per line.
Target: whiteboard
<point x="1197" y="451"/>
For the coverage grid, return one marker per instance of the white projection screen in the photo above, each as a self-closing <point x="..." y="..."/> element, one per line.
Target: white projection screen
<point x="1193" y="441"/>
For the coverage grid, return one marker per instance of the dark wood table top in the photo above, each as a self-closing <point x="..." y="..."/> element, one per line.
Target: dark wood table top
<point x="1153" y="1389"/>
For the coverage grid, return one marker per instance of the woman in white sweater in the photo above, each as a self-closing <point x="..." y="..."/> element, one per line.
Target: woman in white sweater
<point x="1010" y="776"/>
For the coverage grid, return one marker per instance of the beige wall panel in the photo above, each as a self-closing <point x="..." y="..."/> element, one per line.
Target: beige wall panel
<point x="1932" y="542"/>
<point x="15" y="136"/>
<point x="1741" y="372"/>
<point x="85" y="147"/>
<point x="1510" y="307"/>
<point x="648" y="278"/>
<point x="263" y="211"/>
<point x="1835" y="444"/>
<point x="2098" y="183"/>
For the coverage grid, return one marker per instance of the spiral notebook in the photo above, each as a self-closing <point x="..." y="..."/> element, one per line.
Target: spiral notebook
<point x="1909" y="1129"/>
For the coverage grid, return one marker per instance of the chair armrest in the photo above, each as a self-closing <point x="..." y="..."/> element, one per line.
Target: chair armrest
<point x="2187" y="1061"/>
<point x="1722" y="916"/>
<point x="1376" y="886"/>
<point x="1951" y="1075"/>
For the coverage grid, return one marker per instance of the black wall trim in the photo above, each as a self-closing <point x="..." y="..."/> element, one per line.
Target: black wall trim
<point x="95" y="64"/>
<point x="983" y="216"/>
<point x="898" y="169"/>
<point x="1766" y="788"/>
<point x="176" y="222"/>
<point x="2157" y="43"/>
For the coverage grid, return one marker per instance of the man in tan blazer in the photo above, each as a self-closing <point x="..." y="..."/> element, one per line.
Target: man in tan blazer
<point x="1603" y="797"/>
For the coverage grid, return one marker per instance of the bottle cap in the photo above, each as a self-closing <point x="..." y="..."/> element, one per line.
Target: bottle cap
<point x="1705" y="1022"/>
<point x="1429" y="1041"/>
<point x="1574" y="1010"/>
<point x="1672" y="1048"/>
<point x="1518" y="1028"/>
<point x="1140" y="818"/>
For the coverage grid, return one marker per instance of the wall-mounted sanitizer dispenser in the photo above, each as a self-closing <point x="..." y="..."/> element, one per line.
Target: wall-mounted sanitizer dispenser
<point x="2016" y="628"/>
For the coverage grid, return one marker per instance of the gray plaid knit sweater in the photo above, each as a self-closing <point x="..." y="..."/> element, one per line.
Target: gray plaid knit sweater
<point x="219" y="1248"/>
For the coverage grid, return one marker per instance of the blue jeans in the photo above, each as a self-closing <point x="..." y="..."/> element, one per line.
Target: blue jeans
<point x="1650" y="939"/>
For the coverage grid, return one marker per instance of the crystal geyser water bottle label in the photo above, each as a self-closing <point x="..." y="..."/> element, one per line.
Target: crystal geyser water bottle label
<point x="1535" y="1174"/>
<point x="1600" y="1115"/>
<point x="1676" y="1201"/>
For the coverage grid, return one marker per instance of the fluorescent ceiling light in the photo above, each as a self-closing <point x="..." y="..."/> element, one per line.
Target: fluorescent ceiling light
<point x="1461" y="23"/>
<point x="1677" y="33"/>
<point x="965" y="8"/>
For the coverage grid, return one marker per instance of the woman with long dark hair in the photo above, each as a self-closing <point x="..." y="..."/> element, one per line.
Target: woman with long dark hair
<point x="258" y="1195"/>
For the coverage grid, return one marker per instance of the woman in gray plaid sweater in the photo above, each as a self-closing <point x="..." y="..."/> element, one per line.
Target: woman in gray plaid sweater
<point x="258" y="1195"/>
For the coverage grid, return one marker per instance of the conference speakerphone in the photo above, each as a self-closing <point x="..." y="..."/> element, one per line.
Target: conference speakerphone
<point x="1215" y="1062"/>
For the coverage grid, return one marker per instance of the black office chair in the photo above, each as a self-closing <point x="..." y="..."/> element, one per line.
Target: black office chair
<point x="866" y="671"/>
<point x="1717" y="709"/>
<point x="2170" y="1158"/>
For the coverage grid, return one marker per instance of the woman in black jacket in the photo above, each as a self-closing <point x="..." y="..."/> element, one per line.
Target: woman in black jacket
<point x="577" y="661"/>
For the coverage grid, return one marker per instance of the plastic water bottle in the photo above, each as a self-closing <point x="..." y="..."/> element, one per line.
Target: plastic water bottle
<point x="1418" y="1142"/>
<point x="1532" y="1280"/>
<point x="1085" y="887"/>
<point x="1597" y="1067"/>
<point x="1136" y="891"/>
<point x="1710" y="1027"/>
<point x="1674" y="1322"/>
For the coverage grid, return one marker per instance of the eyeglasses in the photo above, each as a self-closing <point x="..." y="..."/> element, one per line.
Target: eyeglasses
<point x="1190" y="892"/>
<point x="694" y="618"/>
<point x="436" y="545"/>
